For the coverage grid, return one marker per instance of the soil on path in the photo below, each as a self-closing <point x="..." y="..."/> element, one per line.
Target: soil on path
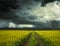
<point x="26" y="40"/>
<point x="39" y="41"/>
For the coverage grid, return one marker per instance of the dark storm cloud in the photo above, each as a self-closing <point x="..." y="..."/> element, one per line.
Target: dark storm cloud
<point x="6" y="8"/>
<point x="5" y="5"/>
<point x="18" y="12"/>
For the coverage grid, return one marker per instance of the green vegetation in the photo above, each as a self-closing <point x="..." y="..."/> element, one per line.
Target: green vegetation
<point x="17" y="38"/>
<point x="13" y="38"/>
<point x="50" y="38"/>
<point x="33" y="41"/>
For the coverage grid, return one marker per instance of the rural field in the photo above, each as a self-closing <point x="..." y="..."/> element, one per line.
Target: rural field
<point x="50" y="38"/>
<point x="29" y="38"/>
<point x="12" y="38"/>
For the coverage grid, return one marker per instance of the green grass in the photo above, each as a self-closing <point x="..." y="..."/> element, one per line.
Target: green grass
<point x="33" y="41"/>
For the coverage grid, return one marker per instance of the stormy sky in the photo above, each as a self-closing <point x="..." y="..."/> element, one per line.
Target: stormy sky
<point x="30" y="12"/>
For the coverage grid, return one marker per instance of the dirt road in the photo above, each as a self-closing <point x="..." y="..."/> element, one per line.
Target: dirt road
<point x="39" y="41"/>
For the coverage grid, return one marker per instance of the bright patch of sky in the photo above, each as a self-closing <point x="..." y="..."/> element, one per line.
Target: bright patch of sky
<point x="36" y="13"/>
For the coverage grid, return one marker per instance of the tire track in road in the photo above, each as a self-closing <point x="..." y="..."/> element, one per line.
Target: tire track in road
<point x="27" y="40"/>
<point x="38" y="40"/>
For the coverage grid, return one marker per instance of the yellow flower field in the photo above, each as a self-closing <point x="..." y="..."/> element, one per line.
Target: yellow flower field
<point x="52" y="36"/>
<point x="10" y="38"/>
<point x="16" y="37"/>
